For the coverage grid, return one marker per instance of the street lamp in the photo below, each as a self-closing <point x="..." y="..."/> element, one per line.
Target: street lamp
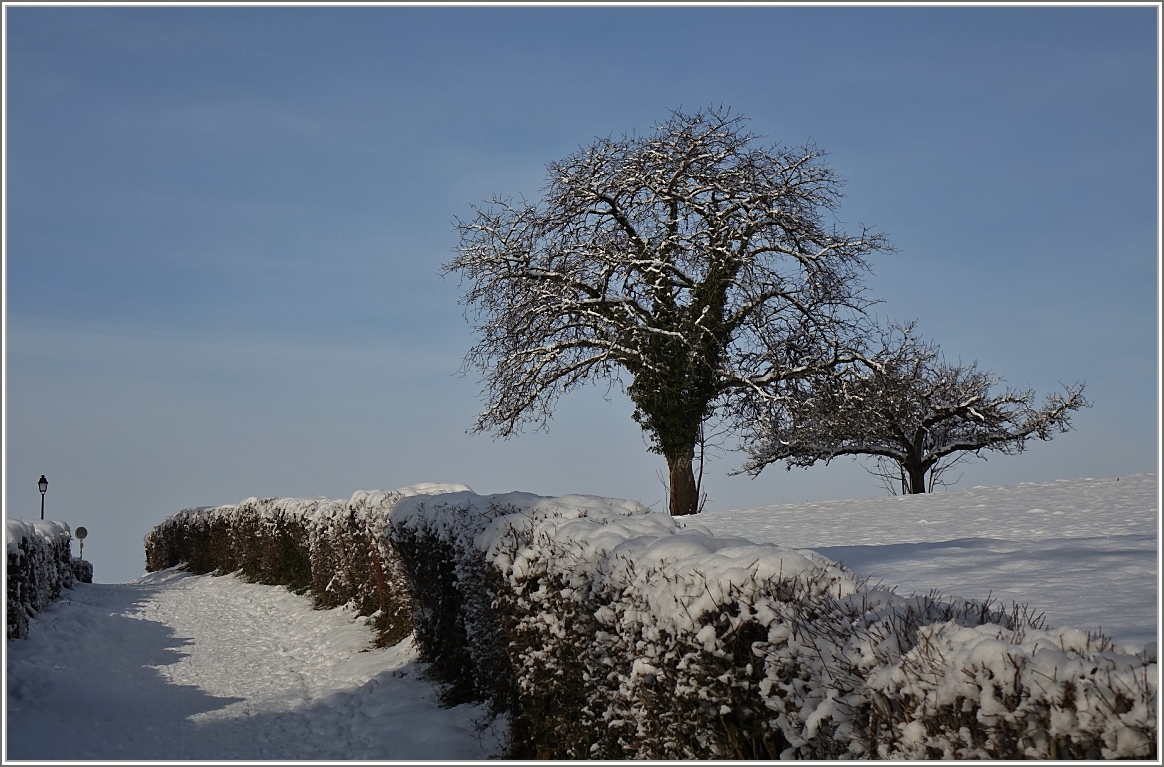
<point x="43" y="485"/>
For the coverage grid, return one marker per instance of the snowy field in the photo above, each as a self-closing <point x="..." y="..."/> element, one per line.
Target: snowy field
<point x="174" y="666"/>
<point x="1082" y="551"/>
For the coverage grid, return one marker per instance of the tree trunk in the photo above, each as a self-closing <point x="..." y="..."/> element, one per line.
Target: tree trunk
<point x="917" y="479"/>
<point x="684" y="492"/>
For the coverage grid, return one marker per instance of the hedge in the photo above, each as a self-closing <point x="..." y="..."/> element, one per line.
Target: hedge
<point x="334" y="549"/>
<point x="40" y="568"/>
<point x="598" y="629"/>
<point x="605" y="631"/>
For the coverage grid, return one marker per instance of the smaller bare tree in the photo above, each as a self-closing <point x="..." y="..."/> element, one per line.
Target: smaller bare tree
<point x="909" y="408"/>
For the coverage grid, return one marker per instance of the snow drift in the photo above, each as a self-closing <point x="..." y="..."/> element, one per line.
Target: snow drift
<point x="602" y="630"/>
<point x="40" y="567"/>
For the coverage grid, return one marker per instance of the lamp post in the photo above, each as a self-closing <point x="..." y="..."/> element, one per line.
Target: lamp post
<point x="43" y="485"/>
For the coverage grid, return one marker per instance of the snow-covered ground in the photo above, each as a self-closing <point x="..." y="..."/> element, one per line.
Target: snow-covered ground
<point x="176" y="666"/>
<point x="1082" y="551"/>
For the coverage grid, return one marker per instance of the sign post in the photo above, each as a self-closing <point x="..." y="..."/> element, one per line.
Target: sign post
<point x="81" y="532"/>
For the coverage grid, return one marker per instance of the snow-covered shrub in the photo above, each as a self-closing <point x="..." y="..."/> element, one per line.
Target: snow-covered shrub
<point x="989" y="692"/>
<point x="336" y="549"/>
<point x="606" y="631"/>
<point x="607" y="617"/>
<point x="40" y="567"/>
<point x="82" y="570"/>
<point x="454" y="621"/>
<point x="603" y="630"/>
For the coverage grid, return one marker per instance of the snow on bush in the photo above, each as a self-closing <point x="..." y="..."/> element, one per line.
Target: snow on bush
<point x="82" y="570"/>
<point x="606" y="631"/>
<point x="334" y="548"/>
<point x="984" y="690"/>
<point x="40" y="567"/>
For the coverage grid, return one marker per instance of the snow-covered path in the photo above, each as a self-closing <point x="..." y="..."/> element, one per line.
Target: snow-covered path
<point x="176" y="666"/>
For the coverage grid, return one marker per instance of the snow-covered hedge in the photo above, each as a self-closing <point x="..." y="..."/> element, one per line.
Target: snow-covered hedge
<point x="603" y="630"/>
<point x="40" y="567"/>
<point x="82" y="570"/>
<point x="606" y="631"/>
<point x="334" y="548"/>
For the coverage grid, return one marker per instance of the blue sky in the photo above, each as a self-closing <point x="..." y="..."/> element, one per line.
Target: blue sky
<point x="225" y="227"/>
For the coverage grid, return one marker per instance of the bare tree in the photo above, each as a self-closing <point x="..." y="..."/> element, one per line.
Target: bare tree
<point x="691" y="259"/>
<point x="911" y="409"/>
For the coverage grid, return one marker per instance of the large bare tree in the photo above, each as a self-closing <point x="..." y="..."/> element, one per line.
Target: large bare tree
<point x="907" y="406"/>
<point x="692" y="259"/>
